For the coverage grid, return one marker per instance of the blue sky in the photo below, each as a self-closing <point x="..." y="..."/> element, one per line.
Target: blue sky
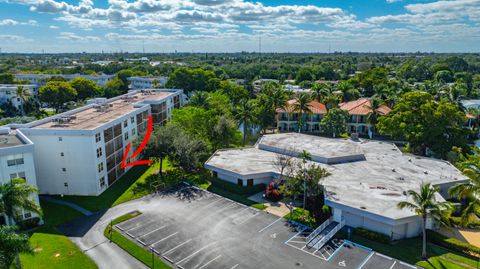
<point x="238" y="25"/>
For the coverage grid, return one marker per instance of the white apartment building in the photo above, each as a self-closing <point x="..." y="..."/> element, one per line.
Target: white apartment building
<point x="39" y="79"/>
<point x="16" y="160"/>
<point x="79" y="152"/>
<point x="138" y="83"/>
<point x="8" y="93"/>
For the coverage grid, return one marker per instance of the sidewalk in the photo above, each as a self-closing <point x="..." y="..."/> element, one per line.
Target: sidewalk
<point x="71" y="205"/>
<point x="275" y="208"/>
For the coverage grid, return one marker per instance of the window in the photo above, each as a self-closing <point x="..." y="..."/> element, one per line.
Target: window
<point x="64" y="169"/>
<point x="19" y="161"/>
<point x="12" y="176"/>
<point x="125" y="124"/>
<point x="100" y="167"/>
<point x="60" y="138"/>
<point x="21" y="175"/>
<point x="15" y="162"/>
<point x="99" y="152"/>
<point x="62" y="154"/>
<point x="102" y="182"/>
<point x="133" y="131"/>
<point x="239" y="182"/>
<point x="132" y="119"/>
<point x="126" y="136"/>
<point x="11" y="162"/>
<point x="27" y="215"/>
<point x="98" y="137"/>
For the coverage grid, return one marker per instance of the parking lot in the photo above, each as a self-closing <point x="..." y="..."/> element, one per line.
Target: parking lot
<point x="196" y="229"/>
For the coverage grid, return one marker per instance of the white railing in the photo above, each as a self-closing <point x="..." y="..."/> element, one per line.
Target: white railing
<point x="318" y="230"/>
<point x="327" y="237"/>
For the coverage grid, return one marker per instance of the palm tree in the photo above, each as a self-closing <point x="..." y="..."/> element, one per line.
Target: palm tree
<point x="469" y="191"/>
<point x="16" y="195"/>
<point x="199" y="99"/>
<point x="302" y="105"/>
<point x="245" y="114"/>
<point x="373" y="115"/>
<point x="424" y="204"/>
<point x="305" y="156"/>
<point x="11" y="245"/>
<point x="22" y="93"/>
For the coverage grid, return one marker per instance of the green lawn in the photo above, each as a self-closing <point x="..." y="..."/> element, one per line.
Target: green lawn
<point x="53" y="249"/>
<point x="409" y="250"/>
<point x="132" y="248"/>
<point x="122" y="191"/>
<point x="243" y="199"/>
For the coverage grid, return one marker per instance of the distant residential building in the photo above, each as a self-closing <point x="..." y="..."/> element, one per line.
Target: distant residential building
<point x="257" y="84"/>
<point x="16" y="161"/>
<point x="240" y="82"/>
<point x="138" y="83"/>
<point x="40" y="79"/>
<point x="79" y="152"/>
<point x="332" y="82"/>
<point x="288" y="119"/>
<point x="8" y="93"/>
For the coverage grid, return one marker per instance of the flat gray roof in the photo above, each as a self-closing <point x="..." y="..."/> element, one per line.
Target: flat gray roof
<point x="9" y="140"/>
<point x="375" y="184"/>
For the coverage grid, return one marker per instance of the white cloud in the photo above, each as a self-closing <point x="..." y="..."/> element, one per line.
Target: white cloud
<point x="74" y="37"/>
<point x="8" y="22"/>
<point x="53" y="27"/>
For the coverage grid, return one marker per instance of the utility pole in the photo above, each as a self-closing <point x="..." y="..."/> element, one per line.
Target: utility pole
<point x="143" y="46"/>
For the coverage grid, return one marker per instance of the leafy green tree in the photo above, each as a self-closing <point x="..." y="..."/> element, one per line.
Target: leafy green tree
<point x="160" y="145"/>
<point x="372" y="117"/>
<point x="12" y="244"/>
<point x="15" y="196"/>
<point x="225" y="133"/>
<point x="302" y="106"/>
<point x="86" y="88"/>
<point x="425" y="205"/>
<point x="444" y="76"/>
<point x="425" y="123"/>
<point x="123" y="76"/>
<point x="334" y="122"/>
<point x="24" y="94"/>
<point x="195" y="121"/>
<point x="349" y="93"/>
<point x="189" y="152"/>
<point x="6" y="78"/>
<point x="304" y="74"/>
<point x="113" y="88"/>
<point x="199" y="99"/>
<point x="193" y="80"/>
<point x="56" y="94"/>
<point x="235" y="93"/>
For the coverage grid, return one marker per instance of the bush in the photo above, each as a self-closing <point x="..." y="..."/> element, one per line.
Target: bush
<point x="452" y="243"/>
<point x="272" y="193"/>
<point x="457" y="221"/>
<point x="28" y="223"/>
<point x="302" y="216"/>
<point x="242" y="190"/>
<point x="374" y="236"/>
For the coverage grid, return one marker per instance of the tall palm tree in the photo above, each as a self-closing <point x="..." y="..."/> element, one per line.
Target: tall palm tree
<point x="245" y="114"/>
<point x="302" y="105"/>
<point x="16" y="195"/>
<point x="469" y="191"/>
<point x="373" y="115"/>
<point x="424" y="204"/>
<point x="22" y="93"/>
<point x="305" y="156"/>
<point x="199" y="99"/>
<point x="11" y="245"/>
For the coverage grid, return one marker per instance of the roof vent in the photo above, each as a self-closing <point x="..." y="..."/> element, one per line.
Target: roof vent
<point x="362" y="207"/>
<point x="425" y="172"/>
<point x="393" y="169"/>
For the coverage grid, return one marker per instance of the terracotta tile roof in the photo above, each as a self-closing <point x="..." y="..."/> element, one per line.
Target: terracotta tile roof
<point x="362" y="106"/>
<point x="315" y="107"/>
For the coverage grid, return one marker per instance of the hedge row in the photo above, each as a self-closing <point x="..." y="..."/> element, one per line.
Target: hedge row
<point x="457" y="221"/>
<point x="374" y="236"/>
<point x="452" y="243"/>
<point x="242" y="190"/>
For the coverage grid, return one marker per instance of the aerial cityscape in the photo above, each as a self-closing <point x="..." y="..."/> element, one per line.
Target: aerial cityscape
<point x="223" y="134"/>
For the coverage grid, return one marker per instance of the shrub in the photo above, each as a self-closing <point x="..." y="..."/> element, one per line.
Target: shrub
<point x="272" y="193"/>
<point x="452" y="243"/>
<point x="457" y="221"/>
<point x="28" y="223"/>
<point x="374" y="236"/>
<point x="242" y="190"/>
<point x="302" y="216"/>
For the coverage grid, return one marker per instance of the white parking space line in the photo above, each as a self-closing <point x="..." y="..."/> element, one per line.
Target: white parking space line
<point x="191" y="255"/>
<point x="235" y="266"/>
<point x="366" y="260"/>
<point x="394" y="262"/>
<point x="209" y="262"/>
<point x="172" y="249"/>
<point x="211" y="203"/>
<point x="153" y="231"/>
<point x="248" y="218"/>
<point x="164" y="239"/>
<point x="141" y="225"/>
<point x="268" y="226"/>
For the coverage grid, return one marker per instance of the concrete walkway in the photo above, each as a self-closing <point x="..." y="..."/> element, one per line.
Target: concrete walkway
<point x="275" y="208"/>
<point x="71" y="205"/>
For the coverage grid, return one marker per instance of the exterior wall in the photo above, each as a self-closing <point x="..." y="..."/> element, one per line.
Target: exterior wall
<point x="40" y="78"/>
<point x="265" y="179"/>
<point x="146" y="82"/>
<point x="288" y="122"/>
<point x="8" y="94"/>
<point x="25" y="170"/>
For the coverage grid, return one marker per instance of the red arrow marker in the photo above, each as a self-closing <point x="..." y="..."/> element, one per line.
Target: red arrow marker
<point x="140" y="148"/>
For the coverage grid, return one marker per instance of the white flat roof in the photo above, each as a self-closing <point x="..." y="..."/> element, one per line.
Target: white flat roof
<point x="375" y="184"/>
